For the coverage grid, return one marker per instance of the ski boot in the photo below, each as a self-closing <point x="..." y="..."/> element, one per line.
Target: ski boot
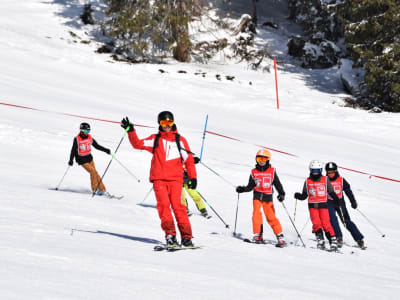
<point x="281" y="241"/>
<point x="334" y="244"/>
<point x="171" y="241"/>
<point x="187" y="243"/>
<point x="204" y="213"/>
<point x="340" y="242"/>
<point x="257" y="238"/>
<point x="361" y="244"/>
<point x="320" y="239"/>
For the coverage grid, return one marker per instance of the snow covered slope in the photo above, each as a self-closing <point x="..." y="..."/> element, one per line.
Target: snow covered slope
<point x="67" y="245"/>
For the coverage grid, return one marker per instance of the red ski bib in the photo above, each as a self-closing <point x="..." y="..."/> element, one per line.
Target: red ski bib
<point x="263" y="180"/>
<point x="84" y="145"/>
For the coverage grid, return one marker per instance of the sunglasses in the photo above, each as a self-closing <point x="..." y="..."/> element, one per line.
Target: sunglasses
<point x="86" y="131"/>
<point x="166" y="122"/>
<point x="261" y="159"/>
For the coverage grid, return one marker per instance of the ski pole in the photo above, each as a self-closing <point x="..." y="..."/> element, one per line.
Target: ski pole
<point x="204" y="137"/>
<point x="217" y="174"/>
<point x="226" y="225"/>
<point x="301" y="231"/>
<point x="190" y="152"/>
<point x="126" y="169"/>
<point x="298" y="234"/>
<point x="66" y="171"/>
<point x="383" y="235"/>
<point x="295" y="208"/>
<point x="237" y="208"/>
<point x="341" y="214"/>
<point x="101" y="179"/>
<point x="148" y="193"/>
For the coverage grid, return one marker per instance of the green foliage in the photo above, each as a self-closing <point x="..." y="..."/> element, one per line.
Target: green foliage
<point x="372" y="34"/>
<point x="148" y="30"/>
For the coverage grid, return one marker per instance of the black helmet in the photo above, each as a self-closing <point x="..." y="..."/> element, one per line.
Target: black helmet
<point x="165" y="115"/>
<point x="84" y="126"/>
<point x="330" y="166"/>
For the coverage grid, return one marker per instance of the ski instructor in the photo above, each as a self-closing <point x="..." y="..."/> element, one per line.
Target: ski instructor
<point x="171" y="153"/>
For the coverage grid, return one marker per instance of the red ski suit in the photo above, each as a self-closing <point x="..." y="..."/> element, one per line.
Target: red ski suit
<point x="166" y="175"/>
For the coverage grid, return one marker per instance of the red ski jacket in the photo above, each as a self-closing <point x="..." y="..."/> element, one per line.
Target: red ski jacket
<point x="167" y="163"/>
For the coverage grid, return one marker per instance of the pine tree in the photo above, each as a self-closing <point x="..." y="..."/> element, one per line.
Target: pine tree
<point x="148" y="30"/>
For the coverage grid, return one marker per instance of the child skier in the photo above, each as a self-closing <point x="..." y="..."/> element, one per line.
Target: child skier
<point x="81" y="150"/>
<point x="340" y="185"/>
<point x="193" y="194"/>
<point x="316" y="188"/>
<point x="171" y="153"/>
<point x="261" y="180"/>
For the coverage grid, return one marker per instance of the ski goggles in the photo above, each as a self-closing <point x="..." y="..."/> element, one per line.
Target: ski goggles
<point x="166" y="122"/>
<point x="85" y="131"/>
<point x="330" y="172"/>
<point x="260" y="159"/>
<point x="316" y="171"/>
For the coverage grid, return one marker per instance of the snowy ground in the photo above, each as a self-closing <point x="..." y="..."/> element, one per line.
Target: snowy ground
<point x="67" y="245"/>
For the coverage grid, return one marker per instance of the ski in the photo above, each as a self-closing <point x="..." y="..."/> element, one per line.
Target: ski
<point x="163" y="247"/>
<point x="355" y="246"/>
<point x="115" y="197"/>
<point x="265" y="242"/>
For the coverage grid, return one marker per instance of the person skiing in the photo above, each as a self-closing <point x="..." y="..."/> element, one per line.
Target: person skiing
<point x="81" y="151"/>
<point x="193" y="194"/>
<point x="171" y="153"/>
<point x="340" y="185"/>
<point x="317" y="188"/>
<point x="262" y="179"/>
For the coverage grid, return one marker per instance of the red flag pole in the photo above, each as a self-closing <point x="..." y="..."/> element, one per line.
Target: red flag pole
<point x="276" y="85"/>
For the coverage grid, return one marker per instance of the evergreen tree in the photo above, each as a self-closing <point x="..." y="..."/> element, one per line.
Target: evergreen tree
<point x="148" y="30"/>
<point x="373" y="38"/>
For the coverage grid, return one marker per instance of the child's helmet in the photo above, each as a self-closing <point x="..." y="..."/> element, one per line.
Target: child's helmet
<point x="315" y="166"/>
<point x="264" y="152"/>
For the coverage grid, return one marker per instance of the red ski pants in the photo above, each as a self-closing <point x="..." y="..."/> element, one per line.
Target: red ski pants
<point x="168" y="194"/>
<point x="320" y="220"/>
<point x="269" y="212"/>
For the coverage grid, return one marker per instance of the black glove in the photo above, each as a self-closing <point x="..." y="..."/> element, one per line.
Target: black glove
<point x="354" y="204"/>
<point x="70" y="163"/>
<point x="196" y="159"/>
<point x="240" y="189"/>
<point x="297" y="196"/>
<point x="192" y="183"/>
<point x="125" y="123"/>
<point x="281" y="197"/>
<point x="108" y="151"/>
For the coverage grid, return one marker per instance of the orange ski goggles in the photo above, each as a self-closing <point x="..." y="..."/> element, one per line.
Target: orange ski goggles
<point x="260" y="159"/>
<point x="166" y="122"/>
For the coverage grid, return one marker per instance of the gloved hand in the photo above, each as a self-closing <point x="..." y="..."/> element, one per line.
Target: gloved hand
<point x="281" y="197"/>
<point x="240" y="189"/>
<point x="196" y="159"/>
<point x="354" y="204"/>
<point x="125" y="123"/>
<point x="70" y="163"/>
<point x="297" y="196"/>
<point x="108" y="151"/>
<point x="192" y="183"/>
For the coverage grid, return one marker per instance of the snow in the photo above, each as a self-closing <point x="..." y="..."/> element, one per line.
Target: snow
<point x="67" y="245"/>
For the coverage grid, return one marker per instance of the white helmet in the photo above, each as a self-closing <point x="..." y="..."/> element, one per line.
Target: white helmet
<point x="315" y="165"/>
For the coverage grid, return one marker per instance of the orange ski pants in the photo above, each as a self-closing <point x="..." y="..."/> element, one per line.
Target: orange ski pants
<point x="168" y="194"/>
<point x="94" y="176"/>
<point x="269" y="211"/>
